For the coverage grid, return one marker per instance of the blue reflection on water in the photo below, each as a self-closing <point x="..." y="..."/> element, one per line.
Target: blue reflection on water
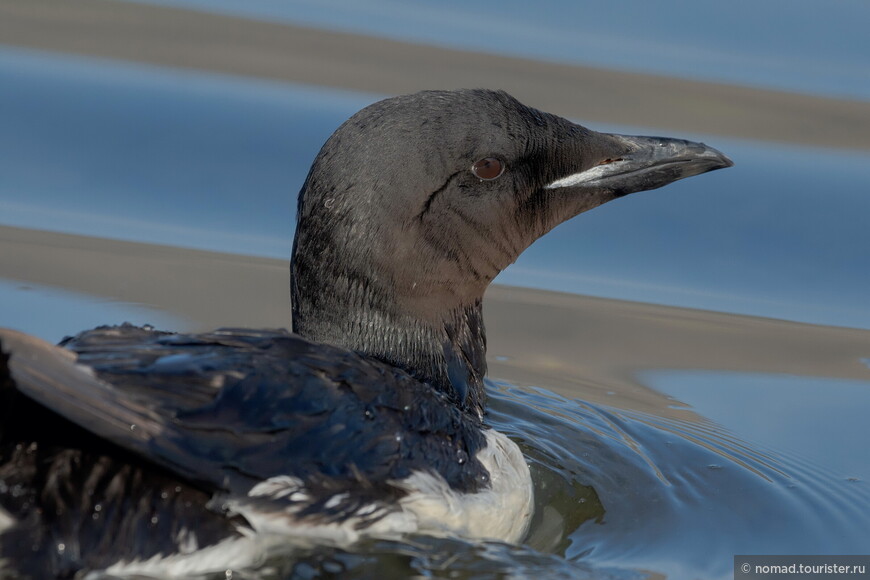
<point x="820" y="419"/>
<point x="799" y="45"/>
<point x="682" y="495"/>
<point x="208" y="161"/>
<point x="159" y="155"/>
<point x="51" y="314"/>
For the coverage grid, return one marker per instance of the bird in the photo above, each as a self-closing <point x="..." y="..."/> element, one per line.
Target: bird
<point x="127" y="450"/>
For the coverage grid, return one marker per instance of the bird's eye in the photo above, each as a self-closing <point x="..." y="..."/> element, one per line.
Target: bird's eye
<point x="487" y="168"/>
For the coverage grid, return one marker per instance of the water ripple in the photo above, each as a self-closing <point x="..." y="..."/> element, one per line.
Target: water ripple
<point x="679" y="497"/>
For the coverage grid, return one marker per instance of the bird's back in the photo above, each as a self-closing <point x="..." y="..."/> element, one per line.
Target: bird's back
<point x="241" y="421"/>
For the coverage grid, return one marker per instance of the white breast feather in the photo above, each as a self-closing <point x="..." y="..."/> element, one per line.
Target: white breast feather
<point x="501" y="512"/>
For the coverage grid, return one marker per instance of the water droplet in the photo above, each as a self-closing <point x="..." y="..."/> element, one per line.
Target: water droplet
<point x="714" y="466"/>
<point x="332" y="568"/>
<point x="369" y="414"/>
<point x="461" y="457"/>
<point x="330" y="201"/>
<point x="98" y="507"/>
<point x="132" y="427"/>
<point x="229" y="574"/>
<point x="406" y="408"/>
<point x="154" y="520"/>
<point x="177" y="489"/>
<point x="61" y="548"/>
<point x="163" y="495"/>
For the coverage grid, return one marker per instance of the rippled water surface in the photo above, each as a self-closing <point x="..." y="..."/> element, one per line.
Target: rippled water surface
<point x="681" y="496"/>
<point x="727" y="461"/>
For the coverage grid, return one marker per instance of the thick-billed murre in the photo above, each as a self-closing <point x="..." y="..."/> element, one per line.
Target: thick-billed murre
<point x="135" y="451"/>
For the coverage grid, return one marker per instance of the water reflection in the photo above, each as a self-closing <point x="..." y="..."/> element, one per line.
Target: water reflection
<point x="141" y="153"/>
<point x="663" y="37"/>
<point x="51" y="313"/>
<point x="821" y="419"/>
<point x="677" y="497"/>
<point x="426" y="557"/>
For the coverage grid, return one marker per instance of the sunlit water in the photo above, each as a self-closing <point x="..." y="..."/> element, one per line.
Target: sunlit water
<point x="759" y="464"/>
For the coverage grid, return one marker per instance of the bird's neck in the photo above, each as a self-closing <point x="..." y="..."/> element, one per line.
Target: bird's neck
<point x="445" y="349"/>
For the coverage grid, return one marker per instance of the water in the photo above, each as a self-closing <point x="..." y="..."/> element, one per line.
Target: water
<point x="773" y="410"/>
<point x="148" y="154"/>
<point x="681" y="496"/>
<point x="724" y="462"/>
<point x="52" y="313"/>
<point x="795" y="45"/>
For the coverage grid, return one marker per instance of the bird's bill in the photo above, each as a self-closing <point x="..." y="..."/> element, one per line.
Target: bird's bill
<point x="647" y="163"/>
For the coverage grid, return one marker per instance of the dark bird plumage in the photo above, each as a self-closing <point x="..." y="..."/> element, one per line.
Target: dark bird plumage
<point x="129" y="445"/>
